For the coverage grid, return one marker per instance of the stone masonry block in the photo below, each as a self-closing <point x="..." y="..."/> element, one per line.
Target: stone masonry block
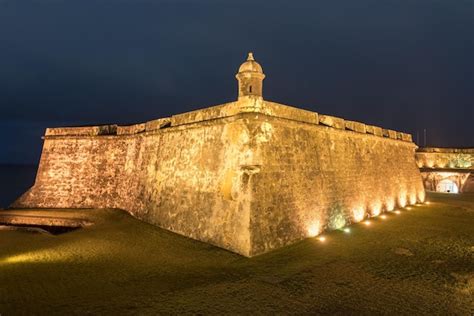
<point x="82" y="131"/>
<point x="406" y="137"/>
<point x="130" y="130"/>
<point x="332" y="121"/>
<point x="392" y="134"/>
<point x="374" y="130"/>
<point x="355" y="126"/>
<point x="157" y="124"/>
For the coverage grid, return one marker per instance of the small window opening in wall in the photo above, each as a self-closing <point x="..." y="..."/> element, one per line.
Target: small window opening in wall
<point x="250" y="89"/>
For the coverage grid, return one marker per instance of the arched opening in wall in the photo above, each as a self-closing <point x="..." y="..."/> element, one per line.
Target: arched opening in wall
<point x="447" y="186"/>
<point x="250" y="89"/>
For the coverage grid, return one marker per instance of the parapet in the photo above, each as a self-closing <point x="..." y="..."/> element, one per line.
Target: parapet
<point x="446" y="150"/>
<point x="374" y="130"/>
<point x="82" y="131"/>
<point x="246" y="105"/>
<point x="445" y="158"/>
<point x="243" y="105"/>
<point x="356" y="127"/>
<point x="286" y="112"/>
<point x="157" y="124"/>
<point x="256" y="105"/>
<point x="332" y="121"/>
<point x="131" y="129"/>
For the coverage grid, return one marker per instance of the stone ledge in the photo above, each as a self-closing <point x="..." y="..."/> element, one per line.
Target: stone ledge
<point x="246" y="105"/>
<point x="407" y="137"/>
<point x="253" y="105"/>
<point x="157" y="124"/>
<point x="288" y="112"/>
<point x="389" y="133"/>
<point x="131" y="129"/>
<point x="446" y="150"/>
<point x="374" y="130"/>
<point x="356" y="126"/>
<point x="82" y="131"/>
<point x="213" y="112"/>
<point x="332" y="121"/>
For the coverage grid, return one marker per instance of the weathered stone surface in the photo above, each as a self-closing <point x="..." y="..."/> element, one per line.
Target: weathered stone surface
<point x="46" y="218"/>
<point x="336" y="178"/>
<point x="389" y="133"/>
<point x="213" y="112"/>
<point x="406" y="137"/>
<point x="289" y="112"/>
<point x="332" y="121"/>
<point x="82" y="131"/>
<point x="180" y="178"/>
<point x="244" y="105"/>
<point x="130" y="130"/>
<point x="250" y="77"/>
<point x="355" y="126"/>
<point x="448" y="158"/>
<point x="249" y="183"/>
<point x="463" y="181"/>
<point x="452" y="166"/>
<point x="374" y="130"/>
<point x="157" y="124"/>
<point x="249" y="176"/>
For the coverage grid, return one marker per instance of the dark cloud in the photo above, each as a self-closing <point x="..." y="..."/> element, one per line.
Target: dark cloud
<point x="405" y="65"/>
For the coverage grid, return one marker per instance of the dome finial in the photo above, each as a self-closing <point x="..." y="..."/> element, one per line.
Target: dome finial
<point x="250" y="57"/>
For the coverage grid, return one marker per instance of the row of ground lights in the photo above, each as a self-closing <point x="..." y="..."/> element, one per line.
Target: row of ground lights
<point x="376" y="208"/>
<point x="360" y="213"/>
<point x="367" y="222"/>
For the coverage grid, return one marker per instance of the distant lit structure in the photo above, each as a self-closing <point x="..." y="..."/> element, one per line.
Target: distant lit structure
<point x="447" y="170"/>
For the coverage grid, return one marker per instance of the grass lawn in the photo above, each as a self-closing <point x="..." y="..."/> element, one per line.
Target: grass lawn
<point x="420" y="261"/>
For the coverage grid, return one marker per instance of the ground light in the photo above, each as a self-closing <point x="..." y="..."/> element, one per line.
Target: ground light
<point x="409" y="208"/>
<point x="397" y="212"/>
<point x="367" y="223"/>
<point x="383" y="216"/>
<point x="347" y="230"/>
<point x="322" y="239"/>
<point x="313" y="230"/>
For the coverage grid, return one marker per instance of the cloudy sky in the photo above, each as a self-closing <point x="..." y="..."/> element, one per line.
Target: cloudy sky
<point x="404" y="65"/>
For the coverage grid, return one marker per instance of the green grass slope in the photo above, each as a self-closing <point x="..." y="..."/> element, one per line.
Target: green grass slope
<point x="420" y="261"/>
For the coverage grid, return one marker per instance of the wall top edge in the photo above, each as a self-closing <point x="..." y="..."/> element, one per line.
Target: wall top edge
<point x="445" y="150"/>
<point x="243" y="105"/>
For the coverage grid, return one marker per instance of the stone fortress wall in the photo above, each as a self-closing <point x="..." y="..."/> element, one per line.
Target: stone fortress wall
<point x="445" y="158"/>
<point x="249" y="176"/>
<point x="448" y="170"/>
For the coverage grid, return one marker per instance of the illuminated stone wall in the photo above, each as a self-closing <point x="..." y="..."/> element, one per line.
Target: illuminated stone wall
<point x="248" y="176"/>
<point x="175" y="177"/>
<point x="438" y="165"/>
<point x="315" y="178"/>
<point x="469" y="184"/>
<point x="445" y="158"/>
<point x="459" y="181"/>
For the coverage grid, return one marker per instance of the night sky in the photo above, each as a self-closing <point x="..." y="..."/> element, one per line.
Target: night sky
<point x="404" y="65"/>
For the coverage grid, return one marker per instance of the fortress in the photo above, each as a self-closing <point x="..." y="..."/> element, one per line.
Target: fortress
<point x="248" y="176"/>
<point x="449" y="170"/>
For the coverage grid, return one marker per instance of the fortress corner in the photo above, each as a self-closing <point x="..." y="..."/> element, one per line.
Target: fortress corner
<point x="249" y="176"/>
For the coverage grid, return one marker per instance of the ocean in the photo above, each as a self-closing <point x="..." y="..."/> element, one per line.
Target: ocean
<point x="14" y="180"/>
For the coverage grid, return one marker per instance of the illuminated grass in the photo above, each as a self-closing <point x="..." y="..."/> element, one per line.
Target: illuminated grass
<point x="416" y="263"/>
